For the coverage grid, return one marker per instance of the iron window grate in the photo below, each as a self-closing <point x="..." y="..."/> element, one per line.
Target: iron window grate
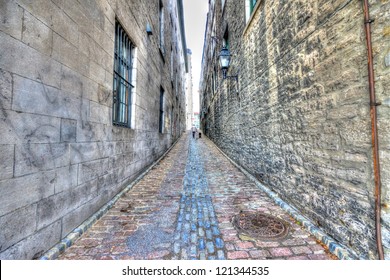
<point x="123" y="65"/>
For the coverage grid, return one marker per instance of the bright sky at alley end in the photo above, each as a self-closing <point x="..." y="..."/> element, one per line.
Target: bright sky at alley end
<point x="195" y="12"/>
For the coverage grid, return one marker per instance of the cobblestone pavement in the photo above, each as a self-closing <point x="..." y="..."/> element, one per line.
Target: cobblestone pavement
<point x="183" y="209"/>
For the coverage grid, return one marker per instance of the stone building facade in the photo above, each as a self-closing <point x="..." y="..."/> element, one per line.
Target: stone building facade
<point x="91" y="94"/>
<point x="298" y="117"/>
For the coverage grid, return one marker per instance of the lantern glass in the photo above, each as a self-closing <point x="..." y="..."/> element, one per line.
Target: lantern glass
<point x="224" y="58"/>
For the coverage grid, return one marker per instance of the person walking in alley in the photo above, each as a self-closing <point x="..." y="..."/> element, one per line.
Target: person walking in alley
<point x="193" y="129"/>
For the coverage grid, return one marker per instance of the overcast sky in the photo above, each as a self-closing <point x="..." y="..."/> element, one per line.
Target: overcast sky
<point x="195" y="12"/>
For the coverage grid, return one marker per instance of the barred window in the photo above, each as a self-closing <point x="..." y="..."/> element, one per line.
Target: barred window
<point x="123" y="66"/>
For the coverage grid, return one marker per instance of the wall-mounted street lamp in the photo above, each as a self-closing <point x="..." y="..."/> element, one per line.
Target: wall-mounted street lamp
<point x="224" y="61"/>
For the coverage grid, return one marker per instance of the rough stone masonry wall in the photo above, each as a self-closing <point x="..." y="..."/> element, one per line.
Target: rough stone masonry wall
<point x="380" y="12"/>
<point x="61" y="158"/>
<point x="300" y="121"/>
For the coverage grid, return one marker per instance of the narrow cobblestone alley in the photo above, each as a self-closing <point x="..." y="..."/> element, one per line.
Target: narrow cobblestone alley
<point x="183" y="209"/>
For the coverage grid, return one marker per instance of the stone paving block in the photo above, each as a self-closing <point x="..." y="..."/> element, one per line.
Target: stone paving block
<point x="244" y="245"/>
<point x="219" y="243"/>
<point x="316" y="248"/>
<point x="210" y="247"/>
<point x="230" y="247"/>
<point x="281" y="252"/>
<point x="259" y="254"/>
<point x="237" y="255"/>
<point x="318" y="257"/>
<point x="301" y="250"/>
<point x="298" y="258"/>
<point x="221" y="255"/>
<point x="201" y="244"/>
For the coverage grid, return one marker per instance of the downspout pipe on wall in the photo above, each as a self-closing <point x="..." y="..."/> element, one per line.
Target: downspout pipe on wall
<point x="374" y="130"/>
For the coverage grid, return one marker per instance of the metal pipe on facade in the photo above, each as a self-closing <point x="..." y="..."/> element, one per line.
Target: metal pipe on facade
<point x="374" y="130"/>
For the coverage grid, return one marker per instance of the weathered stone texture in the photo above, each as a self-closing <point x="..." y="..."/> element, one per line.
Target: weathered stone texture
<point x="59" y="150"/>
<point x="380" y="12"/>
<point x="5" y="90"/>
<point x="34" y="245"/>
<point x="17" y="225"/>
<point x="7" y="153"/>
<point x="11" y="18"/>
<point x="37" y="186"/>
<point x="300" y="119"/>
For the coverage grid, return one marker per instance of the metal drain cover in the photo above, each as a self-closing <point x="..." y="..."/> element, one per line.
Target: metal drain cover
<point x="260" y="226"/>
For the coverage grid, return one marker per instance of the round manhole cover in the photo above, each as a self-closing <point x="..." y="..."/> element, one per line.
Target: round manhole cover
<point x="260" y="226"/>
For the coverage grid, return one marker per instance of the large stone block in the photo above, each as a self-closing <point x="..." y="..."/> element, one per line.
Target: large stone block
<point x="35" y="245"/>
<point x="73" y="83"/>
<point x="38" y="98"/>
<point x="28" y="128"/>
<point x="31" y="63"/>
<point x="31" y="158"/>
<point x="56" y="206"/>
<point x="13" y="192"/>
<point x="36" y="34"/>
<point x="97" y="73"/>
<point x="66" y="178"/>
<point x="5" y="90"/>
<point x="65" y="52"/>
<point x="100" y="113"/>
<point x="17" y="226"/>
<point x="7" y="161"/>
<point x="84" y="152"/>
<point x="11" y="15"/>
<point x="66" y="27"/>
<point x="92" y="132"/>
<point x="91" y="170"/>
<point x="79" y="215"/>
<point x="68" y="130"/>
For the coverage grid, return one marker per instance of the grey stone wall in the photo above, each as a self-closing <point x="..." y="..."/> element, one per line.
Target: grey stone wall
<point x="299" y="117"/>
<point x="61" y="158"/>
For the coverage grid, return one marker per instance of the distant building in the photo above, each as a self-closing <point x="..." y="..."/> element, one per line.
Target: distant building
<point x="298" y="114"/>
<point x="91" y="94"/>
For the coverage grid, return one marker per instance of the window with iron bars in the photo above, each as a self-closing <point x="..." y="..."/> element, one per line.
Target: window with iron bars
<point x="123" y="66"/>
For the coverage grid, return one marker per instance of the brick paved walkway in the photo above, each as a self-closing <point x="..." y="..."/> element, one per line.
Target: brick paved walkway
<point x="183" y="209"/>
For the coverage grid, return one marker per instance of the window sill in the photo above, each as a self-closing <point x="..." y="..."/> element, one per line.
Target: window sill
<point x="120" y="125"/>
